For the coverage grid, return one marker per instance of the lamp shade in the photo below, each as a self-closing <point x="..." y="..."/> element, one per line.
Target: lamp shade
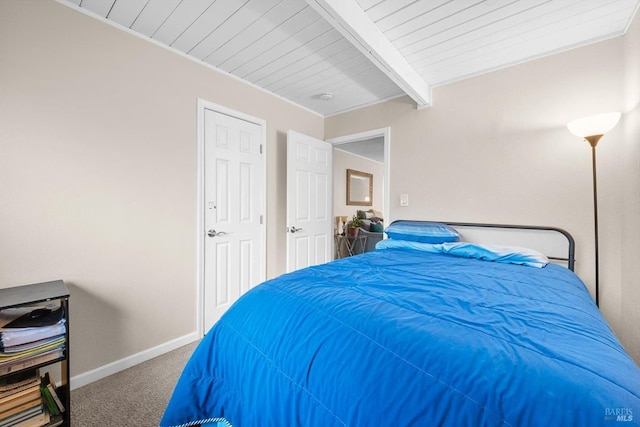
<point x="594" y="125"/>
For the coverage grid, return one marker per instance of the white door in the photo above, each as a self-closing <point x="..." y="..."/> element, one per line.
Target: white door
<point x="309" y="196"/>
<point x="233" y="203"/>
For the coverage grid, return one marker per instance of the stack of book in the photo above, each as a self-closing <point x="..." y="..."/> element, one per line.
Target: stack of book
<point x="29" y="338"/>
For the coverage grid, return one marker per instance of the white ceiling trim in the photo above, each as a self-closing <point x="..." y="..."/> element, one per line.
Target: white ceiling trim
<point x="367" y="104"/>
<point x="360" y="156"/>
<point x="348" y="18"/>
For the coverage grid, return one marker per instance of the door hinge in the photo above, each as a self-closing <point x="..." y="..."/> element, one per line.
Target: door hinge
<point x="261" y="219"/>
<point x="260" y="148"/>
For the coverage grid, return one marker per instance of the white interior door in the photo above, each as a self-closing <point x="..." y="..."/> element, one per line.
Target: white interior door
<point x="309" y="196"/>
<point x="233" y="205"/>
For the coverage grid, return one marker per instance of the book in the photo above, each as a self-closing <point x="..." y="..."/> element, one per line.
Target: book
<point x="37" y="401"/>
<point x="18" y="382"/>
<point x="15" y="349"/>
<point x="19" y="398"/>
<point x="21" y="416"/>
<point x="48" y="345"/>
<point x="29" y="361"/>
<point x="49" y="403"/>
<point x="37" y="421"/>
<point x="53" y="390"/>
<point x="12" y="381"/>
<point x="13" y="337"/>
<point x="56" y="397"/>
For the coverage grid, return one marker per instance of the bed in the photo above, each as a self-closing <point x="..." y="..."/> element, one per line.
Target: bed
<point x="416" y="333"/>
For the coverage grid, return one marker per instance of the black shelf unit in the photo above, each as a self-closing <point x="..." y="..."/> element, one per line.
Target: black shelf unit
<point x="37" y="293"/>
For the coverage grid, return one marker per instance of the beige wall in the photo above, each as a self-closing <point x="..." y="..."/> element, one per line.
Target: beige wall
<point x="343" y="161"/>
<point x="629" y="327"/>
<point x="98" y="174"/>
<point x="496" y="148"/>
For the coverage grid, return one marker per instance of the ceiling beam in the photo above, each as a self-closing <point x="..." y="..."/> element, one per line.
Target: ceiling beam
<point x="354" y="24"/>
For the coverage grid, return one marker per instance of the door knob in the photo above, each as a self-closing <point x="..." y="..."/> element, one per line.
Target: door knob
<point x="293" y="229"/>
<point x="214" y="233"/>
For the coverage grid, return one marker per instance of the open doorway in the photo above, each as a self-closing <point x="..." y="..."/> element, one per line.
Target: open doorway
<point x="367" y="152"/>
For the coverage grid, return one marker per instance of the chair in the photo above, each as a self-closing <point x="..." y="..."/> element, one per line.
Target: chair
<point x="372" y="238"/>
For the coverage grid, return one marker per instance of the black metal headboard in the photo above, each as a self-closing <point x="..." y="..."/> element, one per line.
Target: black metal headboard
<point x="570" y="250"/>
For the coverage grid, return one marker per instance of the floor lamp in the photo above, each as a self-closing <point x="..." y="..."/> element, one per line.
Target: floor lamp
<point x="593" y="128"/>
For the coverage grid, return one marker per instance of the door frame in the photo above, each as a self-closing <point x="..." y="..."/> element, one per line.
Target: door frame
<point x="203" y="105"/>
<point x="385" y="133"/>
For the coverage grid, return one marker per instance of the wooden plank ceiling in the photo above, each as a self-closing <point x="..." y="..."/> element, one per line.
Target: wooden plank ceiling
<point x="364" y="51"/>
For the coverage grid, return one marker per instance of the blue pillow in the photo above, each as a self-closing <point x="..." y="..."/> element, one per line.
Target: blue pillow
<point x="495" y="253"/>
<point x="422" y="231"/>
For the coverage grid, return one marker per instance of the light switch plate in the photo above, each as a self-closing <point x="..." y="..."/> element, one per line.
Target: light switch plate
<point x="404" y="200"/>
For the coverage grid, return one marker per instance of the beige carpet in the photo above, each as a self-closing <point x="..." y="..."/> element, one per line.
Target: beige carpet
<point x="136" y="396"/>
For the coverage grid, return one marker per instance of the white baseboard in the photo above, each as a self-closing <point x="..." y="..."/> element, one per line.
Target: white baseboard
<point x="122" y="364"/>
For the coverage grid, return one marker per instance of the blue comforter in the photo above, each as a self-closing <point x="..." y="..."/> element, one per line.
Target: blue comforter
<point x="405" y="338"/>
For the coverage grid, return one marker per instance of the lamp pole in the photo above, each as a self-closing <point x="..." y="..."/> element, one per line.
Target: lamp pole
<point x="592" y="129"/>
<point x="593" y="141"/>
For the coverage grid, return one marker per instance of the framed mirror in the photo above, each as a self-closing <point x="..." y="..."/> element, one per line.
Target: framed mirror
<point x="359" y="188"/>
